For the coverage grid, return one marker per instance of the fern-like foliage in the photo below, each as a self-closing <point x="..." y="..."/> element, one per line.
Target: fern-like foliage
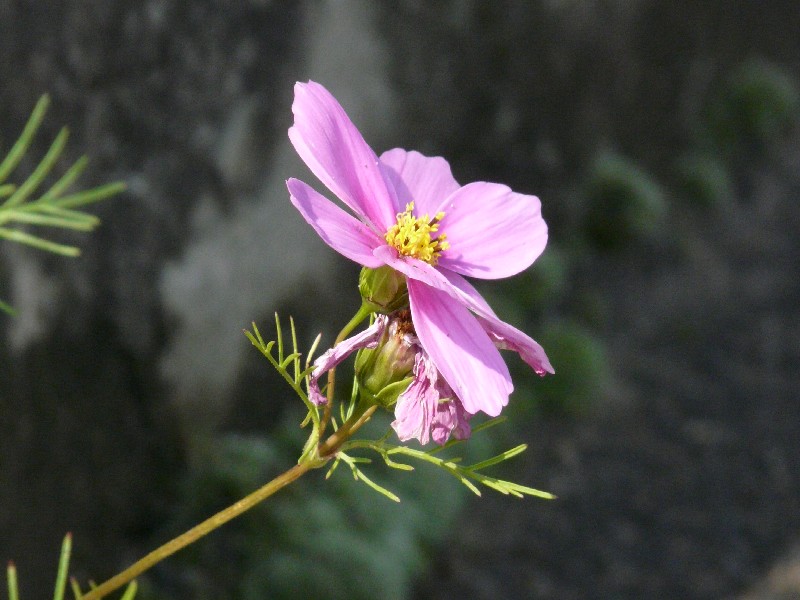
<point x="296" y="372"/>
<point x="468" y="475"/>
<point x="26" y="205"/>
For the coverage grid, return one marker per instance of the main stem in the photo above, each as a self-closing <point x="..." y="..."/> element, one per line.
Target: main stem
<point x="198" y="531"/>
<point x="325" y="451"/>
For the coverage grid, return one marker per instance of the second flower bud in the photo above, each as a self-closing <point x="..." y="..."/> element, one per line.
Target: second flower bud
<point x="384" y="372"/>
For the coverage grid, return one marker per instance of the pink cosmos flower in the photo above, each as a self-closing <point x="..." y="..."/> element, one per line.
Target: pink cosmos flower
<point x="411" y="215"/>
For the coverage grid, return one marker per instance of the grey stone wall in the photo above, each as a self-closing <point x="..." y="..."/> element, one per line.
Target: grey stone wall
<point x="124" y="364"/>
<point x="121" y="363"/>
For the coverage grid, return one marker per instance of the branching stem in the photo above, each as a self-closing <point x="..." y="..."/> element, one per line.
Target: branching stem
<point x="325" y="452"/>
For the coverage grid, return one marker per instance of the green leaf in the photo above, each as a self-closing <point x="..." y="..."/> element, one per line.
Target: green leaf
<point x="89" y="196"/>
<point x="51" y="209"/>
<point x="65" y="213"/>
<point x="130" y="591"/>
<point x="66" y="180"/>
<point x="282" y="364"/>
<point x="498" y="459"/>
<point x="16" y="235"/>
<point x="63" y="568"/>
<point x="11" y="574"/>
<point x="7" y="308"/>
<point x="465" y="474"/>
<point x="40" y="172"/>
<point x="77" y="221"/>
<point x="76" y="589"/>
<point x="358" y="474"/>
<point x="21" y="145"/>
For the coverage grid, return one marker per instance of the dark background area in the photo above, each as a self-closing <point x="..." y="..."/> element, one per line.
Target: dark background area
<point x="663" y="140"/>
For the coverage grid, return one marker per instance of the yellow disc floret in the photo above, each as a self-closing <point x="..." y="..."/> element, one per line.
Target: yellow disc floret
<point x="416" y="236"/>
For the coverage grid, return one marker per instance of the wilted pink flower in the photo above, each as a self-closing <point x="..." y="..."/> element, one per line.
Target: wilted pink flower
<point x="429" y="407"/>
<point x="414" y="217"/>
<point x="332" y="357"/>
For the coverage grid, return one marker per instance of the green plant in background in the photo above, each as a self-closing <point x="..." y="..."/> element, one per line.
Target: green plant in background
<point x="624" y="203"/>
<point x="704" y="180"/>
<point x="61" y="577"/>
<point x="587" y="376"/>
<point x="747" y="114"/>
<point x="757" y="103"/>
<point x="22" y="206"/>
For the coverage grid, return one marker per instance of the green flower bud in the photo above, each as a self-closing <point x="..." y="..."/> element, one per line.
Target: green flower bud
<point x="384" y="372"/>
<point x="383" y="289"/>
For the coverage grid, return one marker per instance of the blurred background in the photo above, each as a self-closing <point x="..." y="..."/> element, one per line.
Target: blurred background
<point x="664" y="142"/>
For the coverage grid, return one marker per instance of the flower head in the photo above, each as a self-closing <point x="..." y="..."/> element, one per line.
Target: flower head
<point x="411" y="215"/>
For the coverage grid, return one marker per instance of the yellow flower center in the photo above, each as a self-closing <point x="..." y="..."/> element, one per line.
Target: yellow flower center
<point x="416" y="236"/>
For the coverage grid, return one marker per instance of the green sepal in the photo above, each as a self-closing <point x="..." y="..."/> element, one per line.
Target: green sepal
<point x="383" y="290"/>
<point x="388" y="396"/>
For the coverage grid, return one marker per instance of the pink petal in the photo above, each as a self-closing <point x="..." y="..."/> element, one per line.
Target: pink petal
<point x="334" y="150"/>
<point x="368" y="338"/>
<point x="429" y="408"/>
<point x="505" y="336"/>
<point x="416" y="407"/>
<point x="426" y="181"/>
<point x="410" y="267"/>
<point x="493" y="232"/>
<point x="460" y="349"/>
<point x="452" y="284"/>
<point x="459" y="289"/>
<point x="450" y="419"/>
<point x="340" y="231"/>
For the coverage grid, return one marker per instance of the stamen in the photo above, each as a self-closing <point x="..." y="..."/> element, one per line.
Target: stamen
<point x="403" y="323"/>
<point x="412" y="236"/>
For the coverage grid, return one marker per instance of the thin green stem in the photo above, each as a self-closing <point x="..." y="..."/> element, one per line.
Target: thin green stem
<point x="198" y="531"/>
<point x="16" y="235"/>
<point x="44" y="167"/>
<point x="363" y="312"/>
<point x="332" y="445"/>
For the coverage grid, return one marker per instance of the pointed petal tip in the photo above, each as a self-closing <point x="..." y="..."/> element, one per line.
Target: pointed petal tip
<point x="334" y="150"/>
